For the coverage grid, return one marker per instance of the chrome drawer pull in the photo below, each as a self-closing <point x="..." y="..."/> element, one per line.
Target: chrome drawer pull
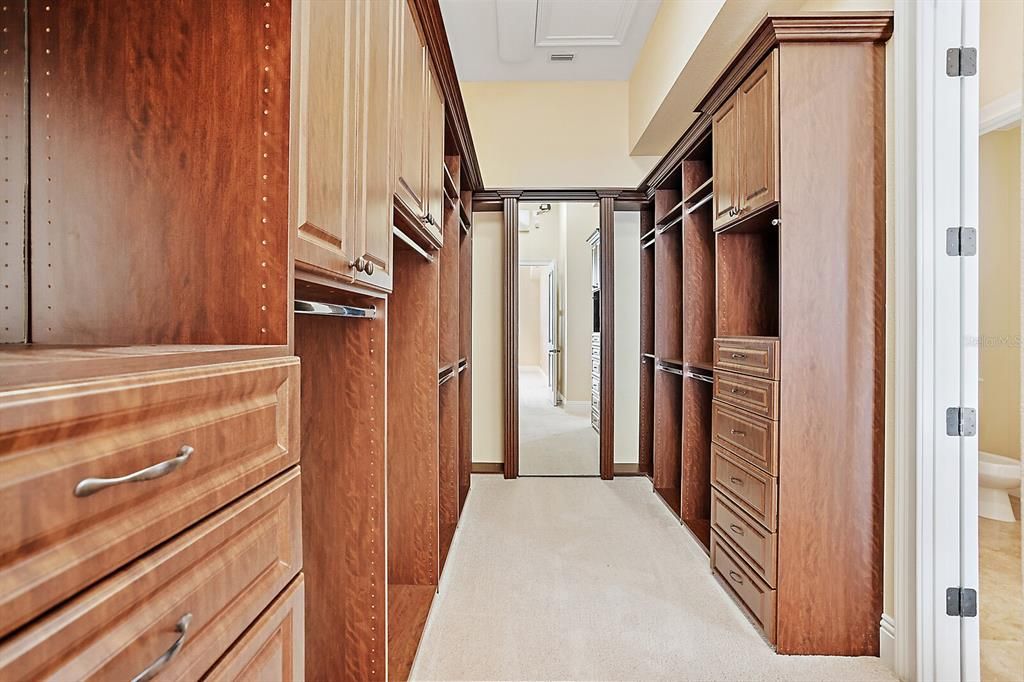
<point x="88" y="486"/>
<point x="737" y="481"/>
<point x="738" y="356"/>
<point x="156" y="666"/>
<point x="736" y="578"/>
<point x="740" y="391"/>
<point x="737" y="433"/>
<point x="735" y="529"/>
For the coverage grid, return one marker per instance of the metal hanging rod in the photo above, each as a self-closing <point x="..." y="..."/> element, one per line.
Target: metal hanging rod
<point x="700" y="377"/>
<point x="335" y="310"/>
<point x="412" y="244"/>
<point x="670" y="369"/>
<point x="448" y="374"/>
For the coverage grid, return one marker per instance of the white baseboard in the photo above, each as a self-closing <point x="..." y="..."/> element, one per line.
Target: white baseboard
<point x="1001" y="113"/>
<point x="887" y="641"/>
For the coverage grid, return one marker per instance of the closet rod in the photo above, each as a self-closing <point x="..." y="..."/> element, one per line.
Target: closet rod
<point x="412" y="244"/>
<point x="335" y="310"/>
<point x="446" y="376"/>
<point x="670" y="369"/>
<point x="700" y="377"/>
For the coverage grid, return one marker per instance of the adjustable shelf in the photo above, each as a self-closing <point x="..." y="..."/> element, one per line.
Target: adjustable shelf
<point x="672" y="216"/>
<point x="450" y="189"/>
<point x="700" y="194"/>
<point x="701" y="203"/>
<point x="464" y="218"/>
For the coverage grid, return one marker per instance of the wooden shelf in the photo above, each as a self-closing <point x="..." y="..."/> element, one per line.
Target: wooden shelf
<point x="408" y="607"/>
<point x="671" y="497"/>
<point x="671" y="216"/>
<point x="449" y="184"/>
<point x="649" y="235"/>
<point x="464" y="219"/>
<point x="701" y="193"/>
<point x="704" y="201"/>
<point x="23" y="364"/>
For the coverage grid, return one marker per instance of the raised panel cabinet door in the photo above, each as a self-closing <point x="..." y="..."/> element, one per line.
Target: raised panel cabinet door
<point x="435" y="155"/>
<point x="330" y="198"/>
<point x="725" y="152"/>
<point x="759" y="136"/>
<point x="380" y="111"/>
<point x="411" y="188"/>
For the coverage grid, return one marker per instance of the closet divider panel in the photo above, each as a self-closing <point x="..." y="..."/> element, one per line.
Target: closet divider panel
<point x="159" y="172"/>
<point x="832" y="96"/>
<point x="646" y="453"/>
<point x="14" y="167"/>
<point x="466" y="351"/>
<point x="668" y="346"/>
<point x="343" y="485"/>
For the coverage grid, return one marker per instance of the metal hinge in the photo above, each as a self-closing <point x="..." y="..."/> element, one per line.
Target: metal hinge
<point x="962" y="61"/>
<point x="961" y="241"/>
<point x="961" y="421"/>
<point x="961" y="602"/>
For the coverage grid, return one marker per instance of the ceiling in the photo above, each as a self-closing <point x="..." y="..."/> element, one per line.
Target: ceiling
<point x="513" y="40"/>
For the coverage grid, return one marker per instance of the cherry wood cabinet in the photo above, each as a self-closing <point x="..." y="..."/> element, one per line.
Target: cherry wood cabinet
<point x="412" y="106"/>
<point x="746" y="146"/>
<point x="344" y="92"/>
<point x="434" y="156"/>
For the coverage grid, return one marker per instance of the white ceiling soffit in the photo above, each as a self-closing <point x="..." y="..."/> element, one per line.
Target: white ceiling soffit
<point x="513" y="40"/>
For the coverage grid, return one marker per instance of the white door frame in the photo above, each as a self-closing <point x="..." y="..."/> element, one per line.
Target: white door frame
<point x="935" y="496"/>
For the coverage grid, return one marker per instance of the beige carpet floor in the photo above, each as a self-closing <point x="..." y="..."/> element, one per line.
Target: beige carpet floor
<point x="583" y="579"/>
<point x="552" y="441"/>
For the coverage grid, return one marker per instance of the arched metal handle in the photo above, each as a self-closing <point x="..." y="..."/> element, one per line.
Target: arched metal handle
<point x="738" y="356"/>
<point x="736" y="529"/>
<point x="88" y="486"/>
<point x="737" y="433"/>
<point x="159" y="664"/>
<point x="737" y="481"/>
<point x="738" y="390"/>
<point x="736" y="577"/>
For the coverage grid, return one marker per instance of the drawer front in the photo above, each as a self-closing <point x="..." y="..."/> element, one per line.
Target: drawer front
<point x="757" y="547"/>
<point x="755" y="594"/>
<point x="273" y="648"/>
<point x="753" y="490"/>
<point x="760" y="396"/>
<point x="755" y="356"/>
<point x="217" y="577"/>
<point x="753" y="438"/>
<point x="241" y="421"/>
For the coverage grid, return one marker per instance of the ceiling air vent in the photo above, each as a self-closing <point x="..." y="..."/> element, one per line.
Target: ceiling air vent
<point x="562" y="57"/>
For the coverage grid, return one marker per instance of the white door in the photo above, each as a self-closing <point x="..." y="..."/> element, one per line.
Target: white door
<point x="949" y="360"/>
<point x="553" y="348"/>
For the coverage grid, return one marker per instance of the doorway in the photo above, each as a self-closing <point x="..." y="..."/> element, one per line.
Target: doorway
<point x="557" y="366"/>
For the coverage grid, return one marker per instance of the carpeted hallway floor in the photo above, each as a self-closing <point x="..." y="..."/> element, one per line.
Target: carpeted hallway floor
<point x="583" y="579"/>
<point x="552" y="440"/>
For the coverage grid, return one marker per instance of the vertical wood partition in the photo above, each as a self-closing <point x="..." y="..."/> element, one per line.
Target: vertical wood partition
<point x="509" y="358"/>
<point x="607" y="269"/>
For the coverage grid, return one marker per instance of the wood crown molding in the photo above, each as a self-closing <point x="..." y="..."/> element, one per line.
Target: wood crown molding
<point x="674" y="158"/>
<point x="774" y="29"/>
<point x="431" y="23"/>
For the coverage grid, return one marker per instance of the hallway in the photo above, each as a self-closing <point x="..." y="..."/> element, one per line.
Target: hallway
<point x="581" y="579"/>
<point x="553" y="441"/>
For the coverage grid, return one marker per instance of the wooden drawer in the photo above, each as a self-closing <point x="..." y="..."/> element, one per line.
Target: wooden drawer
<point x="755" y="439"/>
<point x="241" y="420"/>
<point x="754" y="355"/>
<point x="753" y="490"/>
<point x="217" y="577"/>
<point x="760" y="396"/>
<point x="757" y="547"/>
<point x="273" y="648"/>
<point x="755" y="594"/>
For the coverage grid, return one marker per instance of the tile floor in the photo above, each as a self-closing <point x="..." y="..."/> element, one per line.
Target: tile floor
<point x="1001" y="605"/>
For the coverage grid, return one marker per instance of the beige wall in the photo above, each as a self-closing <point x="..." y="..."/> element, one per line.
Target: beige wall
<point x="553" y="134"/>
<point x="488" y="415"/>
<point x="999" y="268"/>
<point x="627" y="337"/>
<point x="529" y="318"/>
<point x="1000" y="68"/>
<point x="581" y="221"/>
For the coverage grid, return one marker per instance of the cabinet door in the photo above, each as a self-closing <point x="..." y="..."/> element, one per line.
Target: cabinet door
<point x="435" y="155"/>
<point x="412" y="115"/>
<point x="380" y="112"/>
<point x="759" y="137"/>
<point x="330" y="144"/>
<point x="724" y="161"/>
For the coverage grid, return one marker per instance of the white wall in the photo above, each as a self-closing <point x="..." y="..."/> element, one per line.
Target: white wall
<point x="529" y="318"/>
<point x="488" y="403"/>
<point x="627" y="337"/>
<point x="581" y="220"/>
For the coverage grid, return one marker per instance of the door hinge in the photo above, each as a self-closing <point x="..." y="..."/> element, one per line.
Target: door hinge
<point x="961" y="602"/>
<point x="961" y="421"/>
<point x="962" y="61"/>
<point x="961" y="241"/>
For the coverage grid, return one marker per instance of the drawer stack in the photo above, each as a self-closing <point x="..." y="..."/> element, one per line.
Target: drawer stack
<point x="595" y="381"/>
<point x="154" y="525"/>
<point x="744" y="471"/>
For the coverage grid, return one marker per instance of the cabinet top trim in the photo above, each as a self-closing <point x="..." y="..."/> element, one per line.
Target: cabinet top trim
<point x="774" y="29"/>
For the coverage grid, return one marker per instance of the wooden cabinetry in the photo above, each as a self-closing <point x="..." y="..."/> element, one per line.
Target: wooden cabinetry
<point x="345" y="131"/>
<point x="746" y="146"/>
